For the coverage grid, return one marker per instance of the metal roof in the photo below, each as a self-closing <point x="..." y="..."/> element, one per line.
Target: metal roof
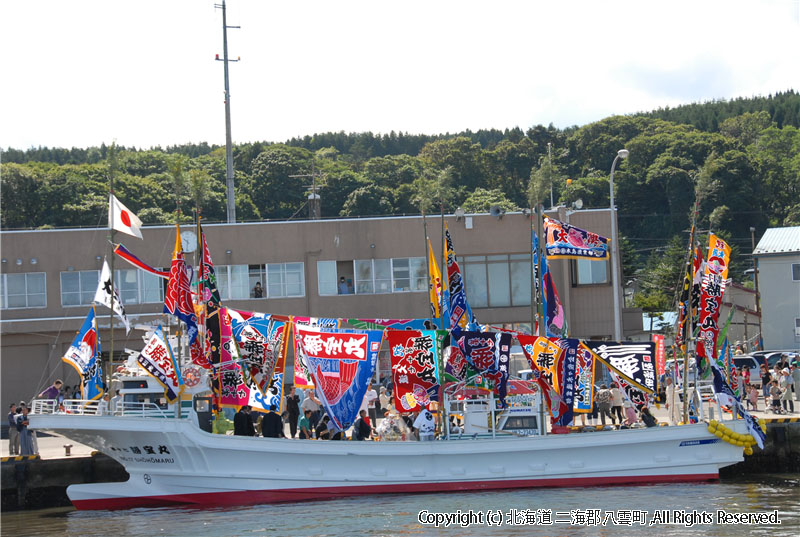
<point x="779" y="240"/>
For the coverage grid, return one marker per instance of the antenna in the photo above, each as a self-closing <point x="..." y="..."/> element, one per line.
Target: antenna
<point x="228" y="144"/>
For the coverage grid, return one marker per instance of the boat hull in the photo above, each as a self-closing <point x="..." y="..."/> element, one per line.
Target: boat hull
<point x="172" y="462"/>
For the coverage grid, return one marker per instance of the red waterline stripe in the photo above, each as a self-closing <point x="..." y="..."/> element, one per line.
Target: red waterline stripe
<point x="251" y="497"/>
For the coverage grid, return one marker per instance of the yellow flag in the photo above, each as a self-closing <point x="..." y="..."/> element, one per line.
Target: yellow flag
<point x="435" y="285"/>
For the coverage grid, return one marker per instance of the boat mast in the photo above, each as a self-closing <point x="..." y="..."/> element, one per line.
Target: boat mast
<point x="111" y="171"/>
<point x="228" y="145"/>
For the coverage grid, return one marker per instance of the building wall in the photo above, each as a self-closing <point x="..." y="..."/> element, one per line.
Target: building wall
<point x="34" y="339"/>
<point x="780" y="301"/>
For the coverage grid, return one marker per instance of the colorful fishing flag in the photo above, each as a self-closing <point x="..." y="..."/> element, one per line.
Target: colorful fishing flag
<point x="460" y="312"/>
<point x="178" y="298"/>
<point x="157" y="359"/>
<point x="109" y="299"/>
<point x="698" y="269"/>
<point x="684" y="304"/>
<point x="84" y="356"/>
<point x="584" y="380"/>
<point x="555" y="323"/>
<point x="661" y="364"/>
<point x="394" y="324"/>
<point x="752" y="424"/>
<point x="207" y="277"/>
<point x="633" y="361"/>
<point x="716" y="272"/>
<point x="128" y="256"/>
<point x="434" y="285"/>
<point x="565" y="241"/>
<point x="553" y="362"/>
<point x="415" y="369"/>
<point x="490" y="354"/>
<point x="228" y="379"/>
<point x="262" y="343"/>
<point x="122" y="219"/>
<point x="456" y="368"/>
<point x="302" y="375"/>
<point x="342" y="364"/>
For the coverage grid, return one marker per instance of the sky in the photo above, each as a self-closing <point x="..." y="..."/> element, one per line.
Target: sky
<point x="143" y="73"/>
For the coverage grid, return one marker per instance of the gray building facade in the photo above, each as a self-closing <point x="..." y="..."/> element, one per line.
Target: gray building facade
<point x="778" y="261"/>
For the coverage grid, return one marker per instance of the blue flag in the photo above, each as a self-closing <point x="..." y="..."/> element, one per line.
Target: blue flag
<point x="342" y="363"/>
<point x="83" y="355"/>
<point x="489" y="353"/>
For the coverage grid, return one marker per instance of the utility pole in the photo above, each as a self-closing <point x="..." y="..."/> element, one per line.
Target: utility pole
<point x="550" y="174"/>
<point x="314" y="209"/>
<point x="228" y="144"/>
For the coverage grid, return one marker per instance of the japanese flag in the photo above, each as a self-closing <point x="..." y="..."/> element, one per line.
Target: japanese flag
<point x="121" y="219"/>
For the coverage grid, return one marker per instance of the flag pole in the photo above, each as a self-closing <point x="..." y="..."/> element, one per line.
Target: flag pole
<point x="112" y="171"/>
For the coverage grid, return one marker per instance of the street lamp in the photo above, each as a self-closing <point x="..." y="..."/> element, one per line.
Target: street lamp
<point x="622" y="153"/>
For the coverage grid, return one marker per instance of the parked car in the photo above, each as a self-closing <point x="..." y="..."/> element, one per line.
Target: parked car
<point x="771" y="357"/>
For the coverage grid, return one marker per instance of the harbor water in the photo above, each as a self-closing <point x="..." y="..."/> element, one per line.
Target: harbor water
<point x="756" y="505"/>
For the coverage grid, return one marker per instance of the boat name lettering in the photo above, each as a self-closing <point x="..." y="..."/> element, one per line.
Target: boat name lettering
<point x="139" y="450"/>
<point x="151" y="460"/>
<point x="699" y="442"/>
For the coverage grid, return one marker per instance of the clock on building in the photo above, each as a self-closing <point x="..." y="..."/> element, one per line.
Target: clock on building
<point x="189" y="241"/>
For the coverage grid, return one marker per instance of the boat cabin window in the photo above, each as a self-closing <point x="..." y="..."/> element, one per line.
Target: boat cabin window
<point x="520" y="422"/>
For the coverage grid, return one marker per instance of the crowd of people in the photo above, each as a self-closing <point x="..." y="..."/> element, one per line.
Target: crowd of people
<point x="305" y="418"/>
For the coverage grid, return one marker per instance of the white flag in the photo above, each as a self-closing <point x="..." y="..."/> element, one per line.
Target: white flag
<point x="103" y="296"/>
<point x="121" y="219"/>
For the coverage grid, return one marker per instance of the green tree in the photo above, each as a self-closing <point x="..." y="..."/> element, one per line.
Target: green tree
<point x="481" y="200"/>
<point x="368" y="200"/>
<point x="273" y="190"/>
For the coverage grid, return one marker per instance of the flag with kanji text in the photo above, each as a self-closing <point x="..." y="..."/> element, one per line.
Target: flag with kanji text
<point x="157" y="359"/>
<point x="415" y="367"/>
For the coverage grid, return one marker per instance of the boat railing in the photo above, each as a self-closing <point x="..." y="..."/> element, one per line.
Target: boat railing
<point x="84" y="407"/>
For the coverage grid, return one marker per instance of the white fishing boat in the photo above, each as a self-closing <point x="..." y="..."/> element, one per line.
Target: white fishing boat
<point x="174" y="461"/>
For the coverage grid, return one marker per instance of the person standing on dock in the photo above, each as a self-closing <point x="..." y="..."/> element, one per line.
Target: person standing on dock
<point x="26" y="446"/>
<point x="13" y="433"/>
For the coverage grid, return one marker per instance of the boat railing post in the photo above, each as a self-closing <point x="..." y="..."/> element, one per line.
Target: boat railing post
<point x="494" y="422"/>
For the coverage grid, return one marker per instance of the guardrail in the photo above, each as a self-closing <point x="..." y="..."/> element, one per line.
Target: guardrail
<point x="84" y="407"/>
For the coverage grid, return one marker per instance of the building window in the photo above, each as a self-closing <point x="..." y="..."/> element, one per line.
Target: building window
<point x="797" y="327"/>
<point x="285" y="280"/>
<point x="585" y="272"/>
<point x="276" y="280"/>
<point x="135" y="287"/>
<point x="79" y="287"/>
<point x="326" y="278"/>
<point x="138" y="287"/>
<point x="372" y="276"/>
<point x="27" y="290"/>
<point x="497" y="281"/>
<point x="796" y="272"/>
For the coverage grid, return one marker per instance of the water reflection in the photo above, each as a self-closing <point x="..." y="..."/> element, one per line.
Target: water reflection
<point x="398" y="515"/>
